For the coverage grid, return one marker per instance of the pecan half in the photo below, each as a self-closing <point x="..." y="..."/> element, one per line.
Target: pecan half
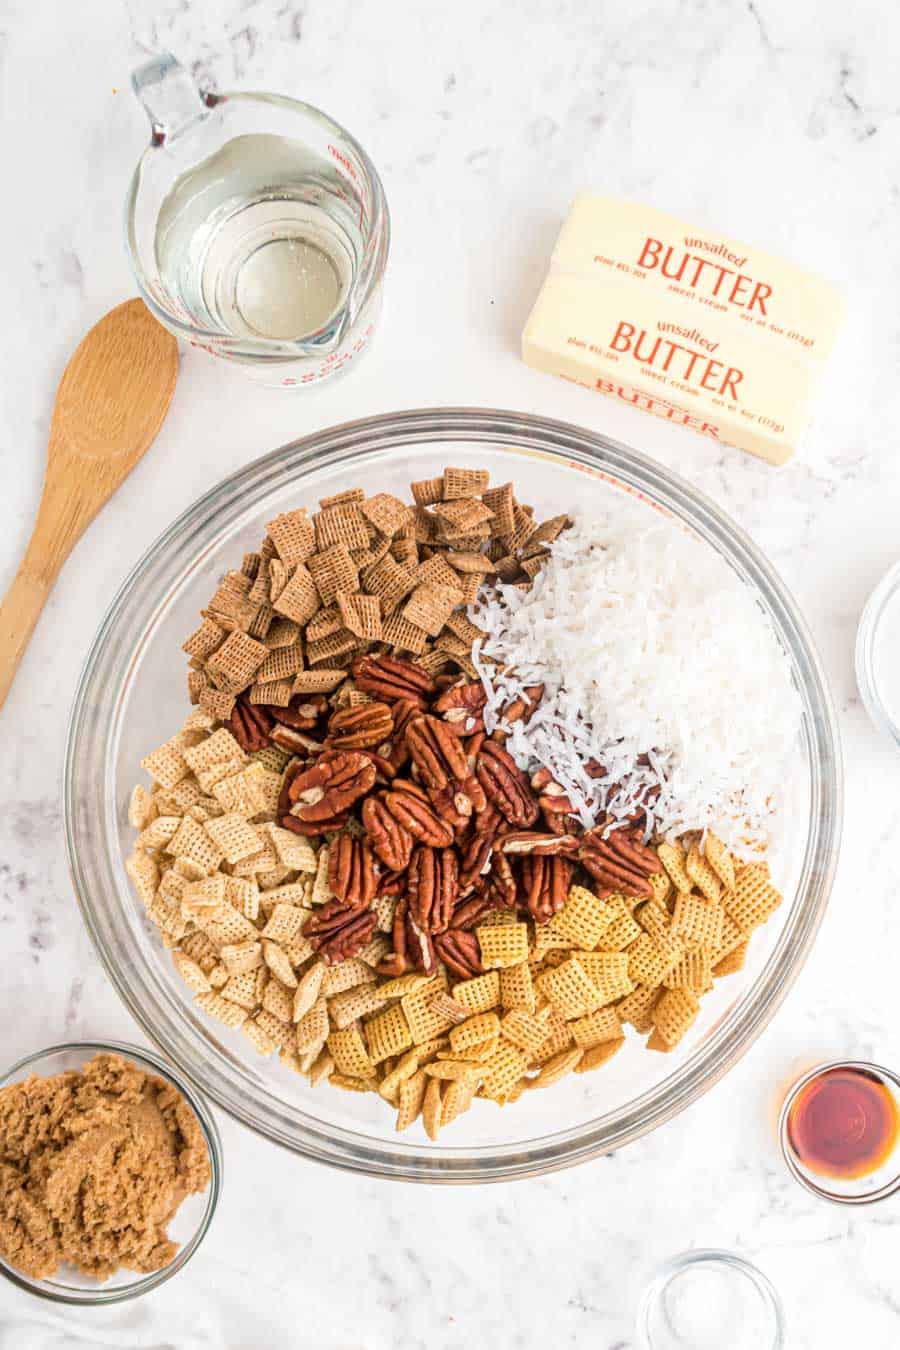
<point x="620" y="863"/>
<point x="390" y="679"/>
<point x="296" y="741"/>
<point x="545" y="884"/>
<point x="461" y="707"/>
<point x="351" y="871"/>
<point x="397" y="962"/>
<point x="302" y="713"/>
<point x="501" y="886"/>
<point x="506" y="786"/>
<point x="312" y="829"/>
<point x="444" y="769"/>
<point x="476" y="858"/>
<point x="531" y="841"/>
<point x="337" y="932"/>
<point x="391" y="843"/>
<point x="331" y="786"/>
<point x="432" y="887"/>
<point x="460" y="953"/>
<point x="472" y="911"/>
<point x="416" y="816"/>
<point x="360" y="728"/>
<point x="518" y="710"/>
<point x="249" y="724"/>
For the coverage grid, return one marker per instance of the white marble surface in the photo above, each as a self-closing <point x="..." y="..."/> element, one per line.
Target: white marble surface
<point x="779" y="123"/>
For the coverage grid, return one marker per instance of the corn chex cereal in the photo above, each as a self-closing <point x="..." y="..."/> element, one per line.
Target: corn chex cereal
<point x="673" y="859"/>
<point x="504" y="1069"/>
<point x="387" y="1034"/>
<point x="410" y="1096"/>
<point x="698" y="920"/>
<point x="598" y="1055"/>
<point x="569" y="989"/>
<point x="480" y="994"/>
<point x="503" y="945"/>
<point x="556" y="1067"/>
<point x="596" y="1027"/>
<point x="608" y="972"/>
<point x="424" y="1022"/>
<point x="650" y="959"/>
<point x="674" y="1014"/>
<point x="720" y="860"/>
<point x="732" y="962"/>
<point x="517" y="988"/>
<point x="524" y="1030"/>
<point x="481" y="1027"/>
<point x="583" y="919"/>
<point x="702" y="874"/>
<point x="754" y="898"/>
<point x="351" y="1004"/>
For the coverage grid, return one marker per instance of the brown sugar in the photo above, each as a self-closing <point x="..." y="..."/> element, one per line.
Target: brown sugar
<point x="93" y="1165"/>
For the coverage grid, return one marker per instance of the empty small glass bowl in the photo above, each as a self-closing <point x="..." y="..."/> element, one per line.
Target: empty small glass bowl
<point x="189" y="1225"/>
<point x="707" y="1300"/>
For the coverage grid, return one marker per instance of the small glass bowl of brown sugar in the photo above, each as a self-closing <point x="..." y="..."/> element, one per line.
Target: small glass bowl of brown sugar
<point x="839" y="1131"/>
<point x="134" y="1150"/>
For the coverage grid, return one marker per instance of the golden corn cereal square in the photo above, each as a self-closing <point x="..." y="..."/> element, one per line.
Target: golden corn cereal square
<point x="698" y="921"/>
<point x="348" y="1083"/>
<point x="517" y="988"/>
<point x="702" y="874"/>
<point x="480" y="994"/>
<point x="447" y="1007"/>
<point x="229" y="1014"/>
<point x="583" y="919"/>
<point x="597" y="1027"/>
<point x="504" y="1068"/>
<point x="424" y="1022"/>
<point x="547" y="939"/>
<point x="719" y="858"/>
<point x="348" y="1049"/>
<point x="569" y="989"/>
<point x="599" y="1055"/>
<point x="456" y="1098"/>
<point x="351" y="1004"/>
<point x="405" y="984"/>
<point x="431" y="1108"/>
<point x="503" y="946"/>
<point x="649" y="962"/>
<point x="674" y="1014"/>
<point x="410" y="1096"/>
<point x="453" y="1070"/>
<point x="733" y="961"/>
<point x="524" y="1030"/>
<point x="473" y="1054"/>
<point x="662" y="887"/>
<point x="346" y="975"/>
<point x="694" y="972"/>
<point x="556" y="1067"/>
<point x="608" y="972"/>
<point x="476" y="1029"/>
<point x="387" y="1033"/>
<point x="754" y="898"/>
<point x="559" y="1036"/>
<point x="620" y="934"/>
<point x="673" y="859"/>
<point x="731" y="938"/>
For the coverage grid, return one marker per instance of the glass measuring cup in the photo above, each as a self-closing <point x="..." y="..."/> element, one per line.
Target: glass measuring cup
<point x="257" y="228"/>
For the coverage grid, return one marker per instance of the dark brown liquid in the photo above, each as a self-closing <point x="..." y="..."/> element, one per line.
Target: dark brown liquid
<point x="845" y="1123"/>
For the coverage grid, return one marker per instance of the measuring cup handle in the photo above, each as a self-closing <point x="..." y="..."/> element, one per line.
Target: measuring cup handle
<point x="168" y="96"/>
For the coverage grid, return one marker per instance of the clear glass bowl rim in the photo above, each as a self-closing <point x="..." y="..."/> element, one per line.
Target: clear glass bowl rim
<point x="103" y="1294"/>
<point x="88" y="768"/>
<point x="715" y="1256"/>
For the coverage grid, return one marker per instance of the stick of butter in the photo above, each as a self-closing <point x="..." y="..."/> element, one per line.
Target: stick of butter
<point x="691" y="326"/>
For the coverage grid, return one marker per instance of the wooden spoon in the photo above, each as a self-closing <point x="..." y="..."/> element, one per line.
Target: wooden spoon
<point x="111" y="402"/>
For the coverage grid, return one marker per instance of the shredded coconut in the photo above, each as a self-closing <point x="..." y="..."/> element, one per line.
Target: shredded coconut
<point x="656" y="661"/>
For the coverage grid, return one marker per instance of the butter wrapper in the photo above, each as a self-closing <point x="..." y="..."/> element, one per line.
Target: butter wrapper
<point x="693" y="327"/>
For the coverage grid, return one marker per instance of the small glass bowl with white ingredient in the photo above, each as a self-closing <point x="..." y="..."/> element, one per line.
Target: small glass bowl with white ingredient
<point x="878" y="655"/>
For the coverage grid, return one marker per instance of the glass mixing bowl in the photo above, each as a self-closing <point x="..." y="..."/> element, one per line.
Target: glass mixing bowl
<point x="132" y="697"/>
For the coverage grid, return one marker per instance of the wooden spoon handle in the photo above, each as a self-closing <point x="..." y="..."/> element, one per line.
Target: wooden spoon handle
<point x="19" y="612"/>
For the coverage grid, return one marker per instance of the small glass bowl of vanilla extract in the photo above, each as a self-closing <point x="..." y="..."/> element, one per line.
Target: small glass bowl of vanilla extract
<point x="839" y="1131"/>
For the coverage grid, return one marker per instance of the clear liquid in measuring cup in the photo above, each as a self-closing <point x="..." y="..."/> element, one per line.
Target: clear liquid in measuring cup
<point x="260" y="240"/>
